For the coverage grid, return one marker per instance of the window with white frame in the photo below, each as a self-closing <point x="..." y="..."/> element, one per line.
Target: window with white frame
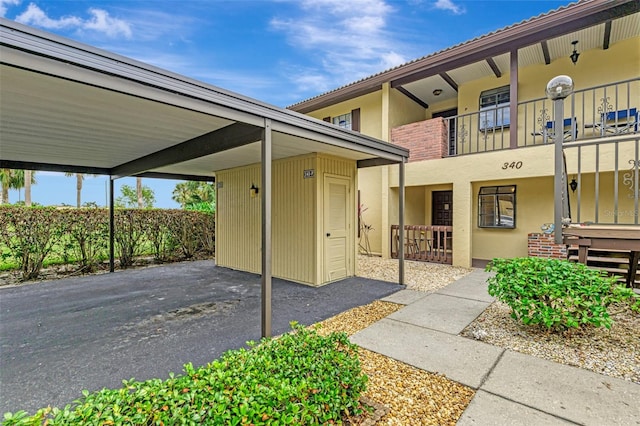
<point x="343" y="121"/>
<point x="494" y="109"/>
<point x="497" y="207"/>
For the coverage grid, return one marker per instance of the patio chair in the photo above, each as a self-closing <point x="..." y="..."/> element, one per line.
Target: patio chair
<point x="617" y="122"/>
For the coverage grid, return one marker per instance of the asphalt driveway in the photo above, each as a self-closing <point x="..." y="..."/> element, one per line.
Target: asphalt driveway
<point x="60" y="337"/>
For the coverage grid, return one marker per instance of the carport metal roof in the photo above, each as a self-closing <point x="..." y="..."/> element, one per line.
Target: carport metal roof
<point x="72" y="107"/>
<point x="67" y="106"/>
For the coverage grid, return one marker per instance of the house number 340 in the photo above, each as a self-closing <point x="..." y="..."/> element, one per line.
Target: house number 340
<point x="512" y="165"/>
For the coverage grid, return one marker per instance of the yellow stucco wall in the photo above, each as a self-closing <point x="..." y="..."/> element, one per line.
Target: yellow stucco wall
<point x="297" y="211"/>
<point x="465" y="174"/>
<point x="534" y="207"/>
<point x="370" y="186"/>
<point x="370" y="112"/>
<point x="403" y="110"/>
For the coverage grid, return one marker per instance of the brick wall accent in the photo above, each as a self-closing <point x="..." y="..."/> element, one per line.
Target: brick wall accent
<point x="426" y="140"/>
<point x="543" y="245"/>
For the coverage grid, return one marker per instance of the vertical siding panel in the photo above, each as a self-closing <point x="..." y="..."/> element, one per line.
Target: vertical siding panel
<point x="294" y="216"/>
<point x="297" y="217"/>
<point x="239" y="219"/>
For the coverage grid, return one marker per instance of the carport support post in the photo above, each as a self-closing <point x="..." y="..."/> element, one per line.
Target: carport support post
<point x="112" y="263"/>
<point x="266" y="228"/>
<point x="401" y="222"/>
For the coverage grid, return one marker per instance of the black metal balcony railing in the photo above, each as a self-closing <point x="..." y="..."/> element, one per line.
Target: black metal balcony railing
<point x="595" y="112"/>
<point x="423" y="242"/>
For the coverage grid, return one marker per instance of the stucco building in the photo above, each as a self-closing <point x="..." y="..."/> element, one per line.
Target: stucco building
<point x="480" y="131"/>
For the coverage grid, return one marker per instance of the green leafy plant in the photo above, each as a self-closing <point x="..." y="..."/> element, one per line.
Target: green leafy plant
<point x="300" y="378"/>
<point x="557" y="294"/>
<point x="30" y="234"/>
<point x="31" y="238"/>
<point x="88" y="230"/>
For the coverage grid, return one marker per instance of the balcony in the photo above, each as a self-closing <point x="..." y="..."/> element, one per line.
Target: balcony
<point x="594" y="113"/>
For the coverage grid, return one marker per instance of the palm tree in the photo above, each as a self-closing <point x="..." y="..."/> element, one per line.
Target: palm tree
<point x="191" y="193"/>
<point x="10" y="179"/>
<point x="139" y="192"/>
<point x="29" y="179"/>
<point x="79" y="179"/>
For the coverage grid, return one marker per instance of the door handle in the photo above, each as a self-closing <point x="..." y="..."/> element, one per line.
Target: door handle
<point x="328" y="234"/>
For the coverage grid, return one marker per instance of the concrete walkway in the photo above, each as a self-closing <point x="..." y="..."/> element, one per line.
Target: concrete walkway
<point x="511" y="388"/>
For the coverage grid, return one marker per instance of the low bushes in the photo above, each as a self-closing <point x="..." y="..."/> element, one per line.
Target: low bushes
<point x="557" y="294"/>
<point x="33" y="236"/>
<point x="300" y="378"/>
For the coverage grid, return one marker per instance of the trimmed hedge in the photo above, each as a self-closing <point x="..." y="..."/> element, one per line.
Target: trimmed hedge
<point x="31" y="236"/>
<point x="557" y="294"/>
<point x="300" y="378"/>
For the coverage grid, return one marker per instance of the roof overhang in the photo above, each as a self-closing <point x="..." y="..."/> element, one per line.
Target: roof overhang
<point x="66" y="106"/>
<point x="489" y="55"/>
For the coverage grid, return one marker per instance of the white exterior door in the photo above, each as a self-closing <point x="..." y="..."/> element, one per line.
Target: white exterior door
<point x="336" y="227"/>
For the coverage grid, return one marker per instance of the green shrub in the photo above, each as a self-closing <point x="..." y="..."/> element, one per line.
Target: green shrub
<point x="300" y="378"/>
<point x="556" y="294"/>
<point x="30" y="234"/>
<point x="88" y="229"/>
<point x="33" y="237"/>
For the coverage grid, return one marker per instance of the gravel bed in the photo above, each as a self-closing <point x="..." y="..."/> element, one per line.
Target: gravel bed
<point x="421" y="276"/>
<point x="412" y="396"/>
<point x="614" y="352"/>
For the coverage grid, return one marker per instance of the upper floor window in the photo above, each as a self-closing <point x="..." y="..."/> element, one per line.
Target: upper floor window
<point x="494" y="108"/>
<point x="497" y="207"/>
<point x="349" y="120"/>
<point x="343" y="121"/>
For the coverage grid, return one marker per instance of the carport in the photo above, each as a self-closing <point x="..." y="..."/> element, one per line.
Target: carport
<point x="66" y="106"/>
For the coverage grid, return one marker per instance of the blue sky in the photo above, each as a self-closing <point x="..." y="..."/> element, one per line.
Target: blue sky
<point x="278" y="51"/>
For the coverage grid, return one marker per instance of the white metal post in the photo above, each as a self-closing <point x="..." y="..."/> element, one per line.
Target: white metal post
<point x="557" y="90"/>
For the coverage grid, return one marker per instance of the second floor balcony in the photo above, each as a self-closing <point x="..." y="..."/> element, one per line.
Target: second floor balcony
<point x="592" y="113"/>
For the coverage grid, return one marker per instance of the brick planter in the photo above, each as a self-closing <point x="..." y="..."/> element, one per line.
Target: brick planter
<point x="543" y="245"/>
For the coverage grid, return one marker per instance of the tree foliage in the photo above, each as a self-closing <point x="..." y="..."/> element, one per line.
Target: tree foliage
<point x="129" y="197"/>
<point x="191" y="195"/>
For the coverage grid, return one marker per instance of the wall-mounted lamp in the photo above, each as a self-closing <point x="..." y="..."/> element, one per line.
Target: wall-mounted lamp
<point x="437" y="92"/>
<point x="573" y="185"/>
<point x="254" y="190"/>
<point x="574" y="56"/>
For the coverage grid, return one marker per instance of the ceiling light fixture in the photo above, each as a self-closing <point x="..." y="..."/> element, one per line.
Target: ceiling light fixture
<point x="437" y="92"/>
<point x="574" y="56"/>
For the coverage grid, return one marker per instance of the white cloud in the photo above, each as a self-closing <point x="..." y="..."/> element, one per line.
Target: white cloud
<point x="100" y="21"/>
<point x="450" y="6"/>
<point x="349" y="41"/>
<point x="103" y="23"/>
<point x="4" y="4"/>
<point x="36" y="17"/>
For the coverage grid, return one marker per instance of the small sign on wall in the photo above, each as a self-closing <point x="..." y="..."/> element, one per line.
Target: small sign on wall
<point x="309" y="173"/>
<point x="219" y="185"/>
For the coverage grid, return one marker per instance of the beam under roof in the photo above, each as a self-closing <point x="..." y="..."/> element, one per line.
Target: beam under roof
<point x="607" y="35"/>
<point x="176" y="176"/>
<point x="413" y="97"/>
<point x="545" y="52"/>
<point x="446" y="77"/>
<point x="49" y="167"/>
<point x="494" y="67"/>
<point x="232" y="136"/>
